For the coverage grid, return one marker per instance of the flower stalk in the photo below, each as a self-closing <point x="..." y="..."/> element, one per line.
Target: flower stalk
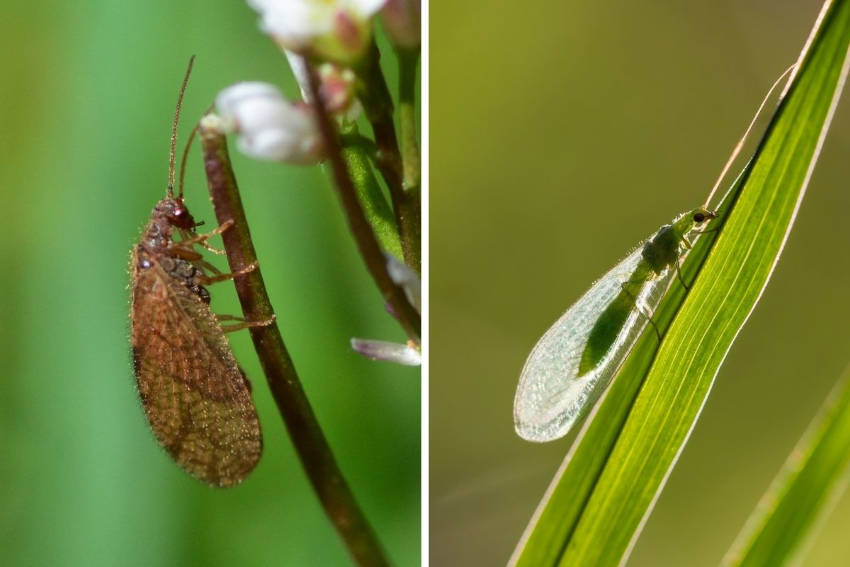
<point x="307" y="436"/>
<point x="378" y="107"/>
<point x="374" y="258"/>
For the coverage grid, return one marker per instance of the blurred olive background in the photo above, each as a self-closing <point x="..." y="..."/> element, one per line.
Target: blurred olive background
<point x="88" y="94"/>
<point x="562" y="134"/>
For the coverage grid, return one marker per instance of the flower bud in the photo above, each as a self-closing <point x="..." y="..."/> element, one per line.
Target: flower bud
<point x="338" y="90"/>
<point x="402" y="19"/>
<point x="336" y="85"/>
<point x="269" y="126"/>
<point x="337" y="30"/>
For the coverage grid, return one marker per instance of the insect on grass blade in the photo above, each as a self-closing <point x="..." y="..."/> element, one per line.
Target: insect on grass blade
<point x="574" y="361"/>
<point x="194" y="394"/>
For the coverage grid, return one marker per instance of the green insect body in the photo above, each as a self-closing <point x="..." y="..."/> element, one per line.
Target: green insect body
<point x="659" y="253"/>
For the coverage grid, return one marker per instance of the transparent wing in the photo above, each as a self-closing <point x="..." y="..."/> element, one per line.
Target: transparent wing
<point x="550" y="396"/>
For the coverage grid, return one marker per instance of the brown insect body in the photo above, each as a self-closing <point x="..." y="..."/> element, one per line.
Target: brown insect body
<point x="195" y="396"/>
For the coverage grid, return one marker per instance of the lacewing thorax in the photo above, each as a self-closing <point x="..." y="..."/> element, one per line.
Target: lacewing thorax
<point x="195" y="396"/>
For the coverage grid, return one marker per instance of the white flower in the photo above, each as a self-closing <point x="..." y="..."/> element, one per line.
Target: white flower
<point x="402" y="20"/>
<point x="269" y="126"/>
<point x="338" y="30"/>
<point x="391" y="352"/>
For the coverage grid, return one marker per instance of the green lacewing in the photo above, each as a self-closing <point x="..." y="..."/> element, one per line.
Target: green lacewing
<point x="574" y="361"/>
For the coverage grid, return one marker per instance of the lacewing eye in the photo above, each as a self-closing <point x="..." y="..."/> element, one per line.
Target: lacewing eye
<point x="181" y="217"/>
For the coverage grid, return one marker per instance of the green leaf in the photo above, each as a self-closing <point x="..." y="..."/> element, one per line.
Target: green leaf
<point x="808" y="480"/>
<point x="596" y="505"/>
<point x="375" y="206"/>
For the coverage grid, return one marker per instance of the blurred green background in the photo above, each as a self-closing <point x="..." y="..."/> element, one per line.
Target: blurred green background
<point x="562" y="134"/>
<point x="88" y="94"/>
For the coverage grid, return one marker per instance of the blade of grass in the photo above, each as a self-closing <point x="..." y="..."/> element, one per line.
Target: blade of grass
<point x="730" y="283"/>
<point x="599" y="499"/>
<point x="814" y="475"/>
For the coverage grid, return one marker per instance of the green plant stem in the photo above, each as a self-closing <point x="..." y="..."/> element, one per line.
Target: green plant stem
<point x="378" y="106"/>
<point x="307" y="436"/>
<point x="357" y="140"/>
<point x="374" y="258"/>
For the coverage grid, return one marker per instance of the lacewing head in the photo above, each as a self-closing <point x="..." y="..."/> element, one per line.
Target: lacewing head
<point x="176" y="213"/>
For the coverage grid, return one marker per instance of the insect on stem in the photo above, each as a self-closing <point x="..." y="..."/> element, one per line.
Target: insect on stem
<point x="195" y="396"/>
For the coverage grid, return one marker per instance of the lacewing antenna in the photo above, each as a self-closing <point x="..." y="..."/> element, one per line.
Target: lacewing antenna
<point x="173" y="152"/>
<point x="740" y="144"/>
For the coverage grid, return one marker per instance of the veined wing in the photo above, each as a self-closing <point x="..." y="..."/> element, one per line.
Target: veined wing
<point x="551" y="396"/>
<point x="194" y="394"/>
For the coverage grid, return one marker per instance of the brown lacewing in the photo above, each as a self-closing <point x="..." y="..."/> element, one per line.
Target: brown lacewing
<point x="195" y="396"/>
